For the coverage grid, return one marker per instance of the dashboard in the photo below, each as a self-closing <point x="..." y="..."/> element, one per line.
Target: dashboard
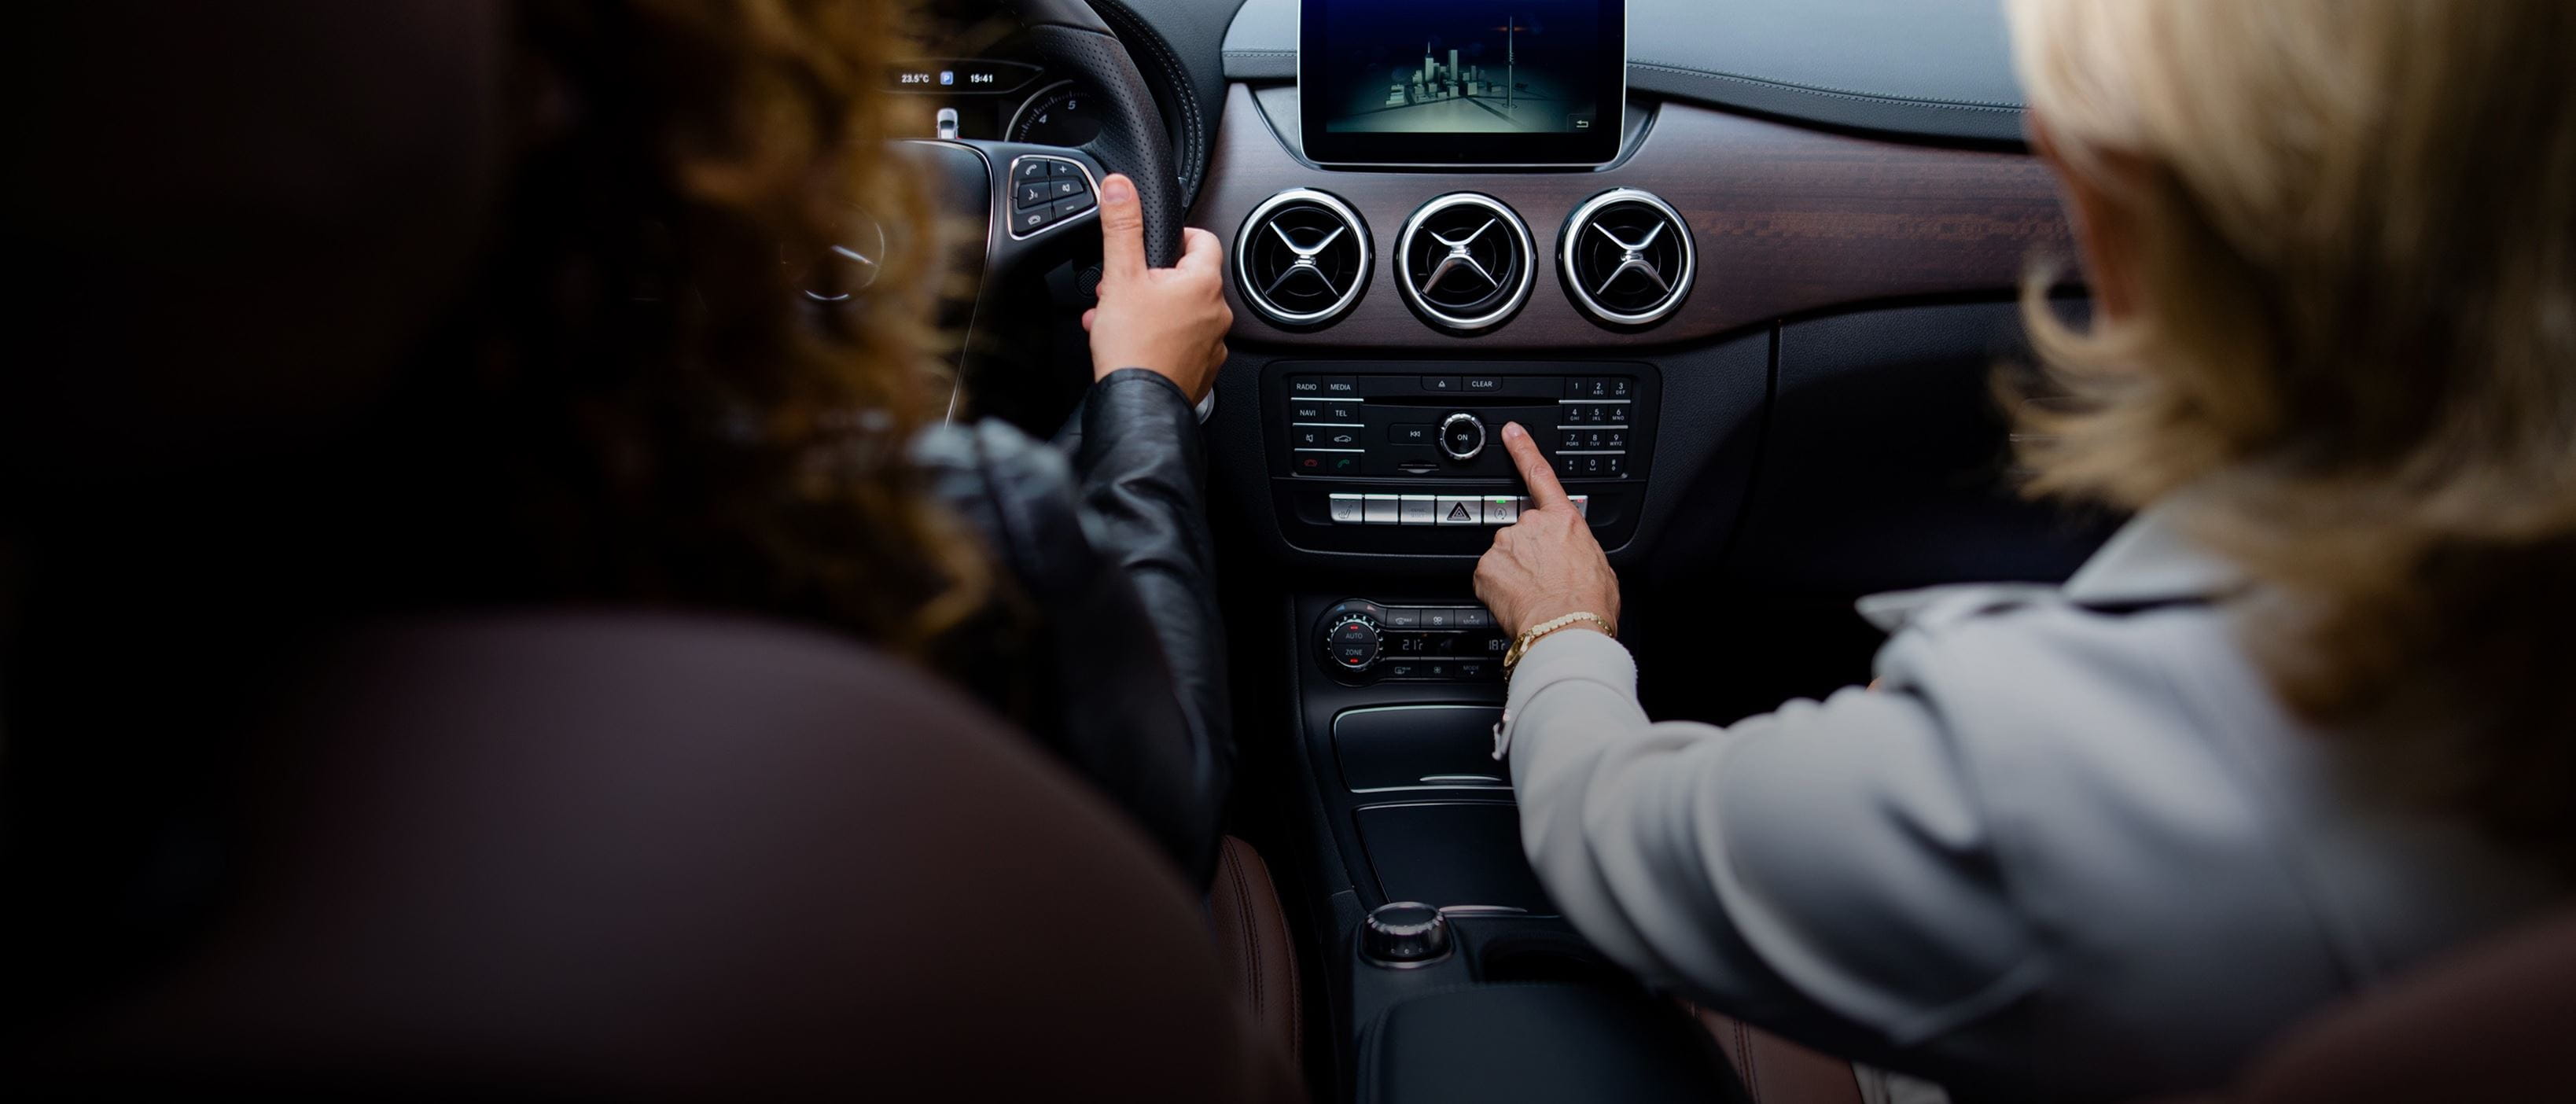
<point x="993" y="99"/>
<point x="1753" y="328"/>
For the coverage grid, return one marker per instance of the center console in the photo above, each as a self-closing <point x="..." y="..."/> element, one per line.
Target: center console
<point x="1407" y="458"/>
<point x="1446" y="946"/>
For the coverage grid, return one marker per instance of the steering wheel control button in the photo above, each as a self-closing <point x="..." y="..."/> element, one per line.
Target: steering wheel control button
<point x="1454" y="510"/>
<point x="1418" y="510"/>
<point x="1046" y="191"/>
<point x="1379" y="509"/>
<point x="1403" y="935"/>
<point x="1462" y="436"/>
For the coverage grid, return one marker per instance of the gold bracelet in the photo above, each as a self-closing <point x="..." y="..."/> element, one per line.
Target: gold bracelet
<point x="1535" y="633"/>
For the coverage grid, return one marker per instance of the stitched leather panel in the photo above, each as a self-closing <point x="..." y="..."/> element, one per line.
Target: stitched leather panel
<point x="1774" y="1070"/>
<point x="1253" y="942"/>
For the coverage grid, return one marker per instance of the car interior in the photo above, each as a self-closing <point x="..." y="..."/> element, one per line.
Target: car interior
<point x="1747" y="269"/>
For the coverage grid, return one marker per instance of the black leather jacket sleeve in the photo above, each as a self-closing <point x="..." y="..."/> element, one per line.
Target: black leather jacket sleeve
<point x="1118" y="663"/>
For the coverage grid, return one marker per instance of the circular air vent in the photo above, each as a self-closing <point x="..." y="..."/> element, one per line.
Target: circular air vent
<point x="1626" y="257"/>
<point x="1302" y="258"/>
<point x="1465" y="261"/>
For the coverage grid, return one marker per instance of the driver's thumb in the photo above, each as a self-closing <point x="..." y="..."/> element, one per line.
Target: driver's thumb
<point x="1122" y="229"/>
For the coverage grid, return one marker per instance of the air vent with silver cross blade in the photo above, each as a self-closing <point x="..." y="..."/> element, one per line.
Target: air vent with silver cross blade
<point x="1626" y="258"/>
<point x="1302" y="258"/>
<point x="1465" y="261"/>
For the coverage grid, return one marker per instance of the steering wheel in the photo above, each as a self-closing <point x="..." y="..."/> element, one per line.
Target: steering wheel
<point x="1070" y="38"/>
<point x="1031" y="199"/>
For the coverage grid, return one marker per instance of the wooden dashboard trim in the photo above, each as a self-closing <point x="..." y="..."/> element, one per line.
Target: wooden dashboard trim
<point x="1788" y="220"/>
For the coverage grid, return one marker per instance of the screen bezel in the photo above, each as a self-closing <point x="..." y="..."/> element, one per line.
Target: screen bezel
<point x="1563" y="150"/>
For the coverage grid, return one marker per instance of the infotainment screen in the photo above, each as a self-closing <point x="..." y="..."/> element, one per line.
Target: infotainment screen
<point x="1462" y="82"/>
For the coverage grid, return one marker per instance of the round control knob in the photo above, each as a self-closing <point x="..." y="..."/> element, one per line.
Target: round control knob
<point x="1462" y="436"/>
<point x="1404" y="933"/>
<point x="1351" y="642"/>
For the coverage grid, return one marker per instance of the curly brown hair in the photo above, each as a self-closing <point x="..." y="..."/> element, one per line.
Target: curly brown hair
<point x="691" y="427"/>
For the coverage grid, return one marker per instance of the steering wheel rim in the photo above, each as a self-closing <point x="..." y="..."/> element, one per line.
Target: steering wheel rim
<point x="1069" y="38"/>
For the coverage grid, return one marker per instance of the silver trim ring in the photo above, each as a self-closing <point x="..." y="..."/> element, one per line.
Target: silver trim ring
<point x="1406" y="279"/>
<point x="1260" y="217"/>
<point x="1582" y="219"/>
<point x="1483" y="436"/>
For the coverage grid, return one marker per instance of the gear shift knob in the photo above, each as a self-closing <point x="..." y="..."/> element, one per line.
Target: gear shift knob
<point x="1403" y="934"/>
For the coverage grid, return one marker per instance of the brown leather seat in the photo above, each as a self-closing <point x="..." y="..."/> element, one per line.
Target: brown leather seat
<point x="1253" y="940"/>
<point x="676" y="858"/>
<point x="2496" y="1022"/>
<point x="1774" y="1070"/>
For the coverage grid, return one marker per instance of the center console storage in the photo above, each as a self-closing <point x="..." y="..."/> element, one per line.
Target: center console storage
<point x="1461" y="856"/>
<point x="1502" y="1044"/>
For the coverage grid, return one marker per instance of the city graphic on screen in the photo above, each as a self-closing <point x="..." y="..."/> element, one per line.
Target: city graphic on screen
<point x="1473" y="67"/>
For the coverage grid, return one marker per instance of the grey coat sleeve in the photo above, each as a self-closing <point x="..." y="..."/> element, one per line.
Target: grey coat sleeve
<point x="1825" y="869"/>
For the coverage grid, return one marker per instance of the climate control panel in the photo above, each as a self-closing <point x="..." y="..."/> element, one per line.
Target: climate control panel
<point x="1417" y="447"/>
<point x="1361" y="642"/>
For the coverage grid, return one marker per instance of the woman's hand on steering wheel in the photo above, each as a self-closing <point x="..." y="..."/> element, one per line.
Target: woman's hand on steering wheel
<point x="1167" y="320"/>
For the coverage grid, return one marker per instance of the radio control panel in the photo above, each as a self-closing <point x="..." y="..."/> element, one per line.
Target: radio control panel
<point x="1408" y="457"/>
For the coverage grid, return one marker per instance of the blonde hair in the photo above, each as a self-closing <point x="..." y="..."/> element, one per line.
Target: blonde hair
<point x="2352" y="363"/>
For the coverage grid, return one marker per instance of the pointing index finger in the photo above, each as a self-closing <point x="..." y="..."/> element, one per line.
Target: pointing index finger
<point x="1545" y="491"/>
